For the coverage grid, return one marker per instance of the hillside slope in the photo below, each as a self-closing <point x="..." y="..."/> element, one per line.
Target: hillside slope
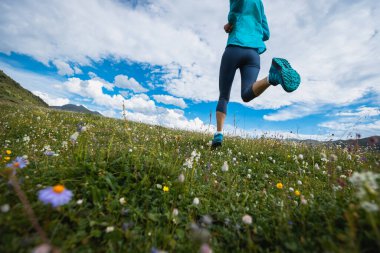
<point x="141" y="188"/>
<point x="11" y="91"/>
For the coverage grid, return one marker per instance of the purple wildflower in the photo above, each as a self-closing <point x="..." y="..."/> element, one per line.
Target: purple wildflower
<point x="18" y="163"/>
<point x="57" y="195"/>
<point x="50" y="153"/>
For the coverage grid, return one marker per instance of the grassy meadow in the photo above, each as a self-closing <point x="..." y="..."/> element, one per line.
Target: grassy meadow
<point x="142" y="188"/>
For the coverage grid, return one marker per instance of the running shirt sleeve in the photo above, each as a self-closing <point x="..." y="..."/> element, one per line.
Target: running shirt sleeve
<point x="264" y="23"/>
<point x="235" y="9"/>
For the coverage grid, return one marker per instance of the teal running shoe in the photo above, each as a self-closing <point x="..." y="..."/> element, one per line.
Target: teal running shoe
<point x="282" y="73"/>
<point x="217" y="141"/>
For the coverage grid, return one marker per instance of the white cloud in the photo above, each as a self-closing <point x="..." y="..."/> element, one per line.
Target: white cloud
<point x="78" y="71"/>
<point x="64" y="68"/>
<point x="141" y="103"/>
<point x="170" y="118"/>
<point x="363" y="111"/>
<point x="346" y="128"/>
<point x="170" y="100"/>
<point x="51" y="101"/>
<point x="93" y="89"/>
<point x="335" y="55"/>
<point x="124" y="82"/>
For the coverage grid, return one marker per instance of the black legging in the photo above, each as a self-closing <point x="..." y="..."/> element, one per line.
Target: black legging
<point x="245" y="59"/>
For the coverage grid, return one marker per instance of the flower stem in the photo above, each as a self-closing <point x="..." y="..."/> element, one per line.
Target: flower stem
<point x="28" y="209"/>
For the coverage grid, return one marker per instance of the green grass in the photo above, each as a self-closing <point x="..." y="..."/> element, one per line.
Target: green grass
<point x="115" y="159"/>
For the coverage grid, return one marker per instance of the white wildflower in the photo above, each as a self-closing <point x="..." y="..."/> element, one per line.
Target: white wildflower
<point x="196" y="201"/>
<point x="110" y="229"/>
<point x="369" y="207"/>
<point x="247" y="219"/>
<point x="74" y="137"/>
<point x="5" y="208"/>
<point x="225" y="167"/>
<point x="122" y="201"/>
<point x="181" y="178"/>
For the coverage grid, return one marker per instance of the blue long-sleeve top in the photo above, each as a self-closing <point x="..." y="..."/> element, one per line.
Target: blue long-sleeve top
<point x="250" y="25"/>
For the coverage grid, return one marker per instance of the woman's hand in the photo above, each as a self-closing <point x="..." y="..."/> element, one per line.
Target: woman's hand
<point x="228" y="28"/>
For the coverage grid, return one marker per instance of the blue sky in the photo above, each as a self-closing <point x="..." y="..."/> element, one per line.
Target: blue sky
<point x="161" y="58"/>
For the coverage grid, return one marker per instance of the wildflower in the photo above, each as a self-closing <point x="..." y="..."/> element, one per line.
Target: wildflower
<point x="122" y="201"/>
<point x="26" y="139"/>
<point x="249" y="176"/>
<point x="110" y="229"/>
<point x="291" y="189"/>
<point x="297" y="193"/>
<point x="369" y="207"/>
<point x="18" y="163"/>
<point x="43" y="248"/>
<point x="181" y="178"/>
<point x="175" y="212"/>
<point x="166" y="188"/>
<point x="299" y="182"/>
<point x="316" y="166"/>
<point x="303" y="200"/>
<point x="279" y="185"/>
<point x="5" y="208"/>
<point x="225" y="167"/>
<point x="365" y="181"/>
<point x="8" y="152"/>
<point x="50" y="153"/>
<point x="247" y="219"/>
<point x="7" y="158"/>
<point x="159" y="186"/>
<point x="57" y="195"/>
<point x="74" y="137"/>
<point x="154" y="250"/>
<point x="205" y="248"/>
<point x="333" y="158"/>
<point x="79" y="202"/>
<point x="196" y="201"/>
<point x="300" y="156"/>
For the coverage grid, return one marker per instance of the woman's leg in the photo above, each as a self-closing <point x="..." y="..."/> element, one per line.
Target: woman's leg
<point x="228" y="67"/>
<point x="220" y="117"/>
<point x="260" y="86"/>
<point x="249" y="72"/>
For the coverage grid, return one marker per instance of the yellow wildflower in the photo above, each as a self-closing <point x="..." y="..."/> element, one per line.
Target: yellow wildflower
<point x="8" y="152"/>
<point x="7" y="158"/>
<point x="279" y="185"/>
<point x="297" y="193"/>
<point x="166" y="189"/>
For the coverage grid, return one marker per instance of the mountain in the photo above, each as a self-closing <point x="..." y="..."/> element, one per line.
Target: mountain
<point x="373" y="142"/>
<point x="13" y="92"/>
<point x="75" y="108"/>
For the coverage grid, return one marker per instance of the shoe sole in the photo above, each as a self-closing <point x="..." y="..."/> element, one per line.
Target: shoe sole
<point x="290" y="78"/>
<point x="216" y="144"/>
